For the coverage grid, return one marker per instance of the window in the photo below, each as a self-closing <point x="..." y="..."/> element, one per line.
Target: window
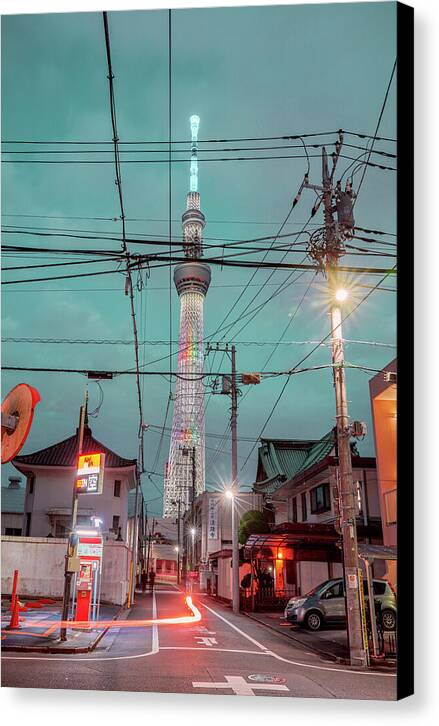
<point x="13" y="531"/>
<point x="31" y="480"/>
<point x="295" y="509"/>
<point x="28" y="521"/>
<point x="320" y="499"/>
<point x="334" y="591"/>
<point x="304" y="510"/>
<point x="116" y="520"/>
<point x="116" y="488"/>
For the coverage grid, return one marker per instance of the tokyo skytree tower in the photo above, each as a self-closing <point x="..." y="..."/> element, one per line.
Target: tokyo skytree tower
<point x="184" y="472"/>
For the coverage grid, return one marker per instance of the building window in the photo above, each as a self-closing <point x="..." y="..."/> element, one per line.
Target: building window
<point x="13" y="531"/>
<point x="320" y="499"/>
<point x="31" y="480"/>
<point x="116" y="488"/>
<point x="28" y="521"/>
<point x="304" y="510"/>
<point x="116" y="520"/>
<point x="295" y="509"/>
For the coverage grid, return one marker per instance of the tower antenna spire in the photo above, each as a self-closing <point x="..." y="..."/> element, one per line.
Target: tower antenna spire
<point x="195" y="124"/>
<point x="184" y="473"/>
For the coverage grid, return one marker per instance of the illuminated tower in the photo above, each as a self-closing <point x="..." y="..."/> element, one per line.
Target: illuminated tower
<point x="184" y="473"/>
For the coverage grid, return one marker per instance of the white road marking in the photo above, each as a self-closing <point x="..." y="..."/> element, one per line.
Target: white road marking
<point x="202" y="629"/>
<point x="90" y="658"/>
<point x="293" y="662"/>
<point x="240" y="687"/>
<point x="212" y="650"/>
<point x="206" y="641"/>
<point x="238" y="630"/>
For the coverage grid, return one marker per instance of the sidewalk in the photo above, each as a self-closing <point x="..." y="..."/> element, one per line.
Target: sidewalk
<point x="330" y="644"/>
<point x="39" y="630"/>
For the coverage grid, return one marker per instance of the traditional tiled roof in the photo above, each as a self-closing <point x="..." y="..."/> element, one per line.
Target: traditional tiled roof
<point x="13" y="500"/>
<point x="282" y="459"/>
<point x="64" y="454"/>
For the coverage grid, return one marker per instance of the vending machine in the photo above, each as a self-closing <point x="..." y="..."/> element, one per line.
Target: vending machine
<point x="88" y="579"/>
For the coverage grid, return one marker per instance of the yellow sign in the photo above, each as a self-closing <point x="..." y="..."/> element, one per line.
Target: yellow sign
<point x="90" y="474"/>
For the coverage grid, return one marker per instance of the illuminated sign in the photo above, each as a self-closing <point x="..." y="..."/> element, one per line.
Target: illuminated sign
<point x="212" y="525"/>
<point x="90" y="474"/>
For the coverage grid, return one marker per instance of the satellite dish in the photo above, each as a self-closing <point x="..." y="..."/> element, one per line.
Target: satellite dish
<point x="17" y="414"/>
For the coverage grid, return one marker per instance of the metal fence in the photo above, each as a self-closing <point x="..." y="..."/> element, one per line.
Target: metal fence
<point x="265" y="598"/>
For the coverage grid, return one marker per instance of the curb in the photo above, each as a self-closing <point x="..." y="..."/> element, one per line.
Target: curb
<point x="53" y="649"/>
<point x="328" y="656"/>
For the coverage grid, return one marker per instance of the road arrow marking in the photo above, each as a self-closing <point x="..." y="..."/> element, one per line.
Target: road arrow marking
<point x="206" y="641"/>
<point x="240" y="687"/>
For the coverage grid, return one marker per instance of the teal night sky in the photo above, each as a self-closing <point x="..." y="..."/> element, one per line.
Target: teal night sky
<point x="247" y="72"/>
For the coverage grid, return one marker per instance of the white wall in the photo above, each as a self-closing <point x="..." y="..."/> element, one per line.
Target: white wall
<point x="53" y="490"/>
<point x="311" y="574"/>
<point x="40" y="562"/>
<point x="206" y="546"/>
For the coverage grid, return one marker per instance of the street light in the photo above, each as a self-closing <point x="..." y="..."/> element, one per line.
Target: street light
<point x="193" y="532"/>
<point x="230" y="494"/>
<point x="341" y="295"/>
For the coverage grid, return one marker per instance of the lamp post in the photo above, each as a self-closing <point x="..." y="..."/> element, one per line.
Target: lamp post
<point x="230" y="494"/>
<point x="193" y="547"/>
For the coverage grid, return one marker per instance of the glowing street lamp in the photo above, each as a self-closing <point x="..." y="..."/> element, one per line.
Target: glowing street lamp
<point x="230" y="494"/>
<point x="341" y="294"/>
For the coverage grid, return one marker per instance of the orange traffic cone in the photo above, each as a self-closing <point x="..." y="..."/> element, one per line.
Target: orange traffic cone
<point x="15" y="618"/>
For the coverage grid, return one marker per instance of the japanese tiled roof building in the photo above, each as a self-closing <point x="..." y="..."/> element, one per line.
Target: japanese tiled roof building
<point x="281" y="460"/>
<point x="64" y="454"/>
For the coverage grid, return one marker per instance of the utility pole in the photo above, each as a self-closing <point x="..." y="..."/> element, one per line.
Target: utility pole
<point x="234" y="431"/>
<point x="194" y="476"/>
<point x="229" y="387"/>
<point x="326" y="247"/>
<point x="178" y="541"/>
<point x="150" y="536"/>
<point x="134" y="544"/>
<point x="67" y="573"/>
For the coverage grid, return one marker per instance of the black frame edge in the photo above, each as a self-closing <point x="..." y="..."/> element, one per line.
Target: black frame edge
<point x="405" y="336"/>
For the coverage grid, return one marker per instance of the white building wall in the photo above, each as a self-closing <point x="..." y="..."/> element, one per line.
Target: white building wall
<point x="52" y="490"/>
<point x="40" y="562"/>
<point x="284" y="513"/>
<point x="205" y="545"/>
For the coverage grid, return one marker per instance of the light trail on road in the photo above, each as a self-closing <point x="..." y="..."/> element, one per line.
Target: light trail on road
<point x="86" y="625"/>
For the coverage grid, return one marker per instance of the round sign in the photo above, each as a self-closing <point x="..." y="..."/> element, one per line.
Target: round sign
<point x="267" y="678"/>
<point x="18" y="406"/>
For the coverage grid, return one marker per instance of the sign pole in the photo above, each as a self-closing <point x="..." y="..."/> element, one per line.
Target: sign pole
<point x="67" y="573"/>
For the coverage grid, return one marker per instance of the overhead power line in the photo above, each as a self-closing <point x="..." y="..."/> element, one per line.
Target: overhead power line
<point x="286" y="137"/>
<point x="187" y="161"/>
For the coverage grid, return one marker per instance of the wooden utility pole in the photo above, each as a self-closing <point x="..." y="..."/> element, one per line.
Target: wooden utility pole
<point x="67" y="573"/>
<point x="229" y="387"/>
<point x="326" y="249"/>
<point x="235" y="522"/>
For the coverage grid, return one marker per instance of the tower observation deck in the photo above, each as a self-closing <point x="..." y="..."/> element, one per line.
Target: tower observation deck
<point x="184" y="471"/>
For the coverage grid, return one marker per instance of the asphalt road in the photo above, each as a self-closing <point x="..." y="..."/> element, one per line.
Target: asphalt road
<point x="222" y="654"/>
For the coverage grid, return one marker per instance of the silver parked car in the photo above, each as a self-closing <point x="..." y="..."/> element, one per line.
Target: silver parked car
<point x="325" y="604"/>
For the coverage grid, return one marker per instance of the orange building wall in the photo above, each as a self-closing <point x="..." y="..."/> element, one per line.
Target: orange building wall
<point x="384" y="409"/>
